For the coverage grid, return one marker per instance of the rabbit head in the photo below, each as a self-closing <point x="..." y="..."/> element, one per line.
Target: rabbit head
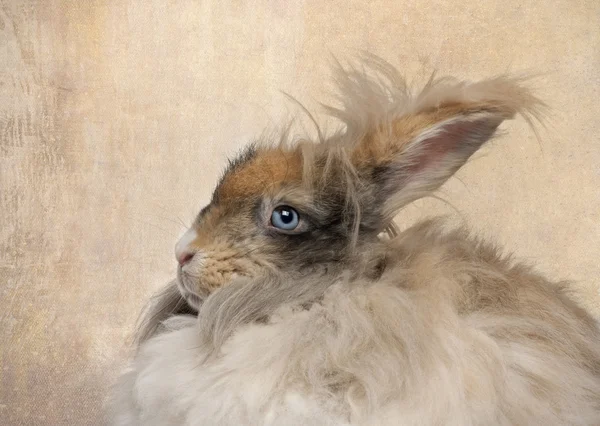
<point x="321" y="205"/>
<point x="317" y="207"/>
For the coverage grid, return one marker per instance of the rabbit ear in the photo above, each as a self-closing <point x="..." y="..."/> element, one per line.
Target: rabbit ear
<point x="417" y="142"/>
<point x="424" y="150"/>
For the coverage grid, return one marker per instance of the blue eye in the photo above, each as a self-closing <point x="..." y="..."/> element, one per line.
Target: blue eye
<point x="285" y="218"/>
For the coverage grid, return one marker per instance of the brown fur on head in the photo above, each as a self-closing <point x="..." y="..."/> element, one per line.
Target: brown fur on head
<point x="395" y="146"/>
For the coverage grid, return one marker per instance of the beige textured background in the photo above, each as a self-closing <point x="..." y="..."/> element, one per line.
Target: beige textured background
<point x="116" y="118"/>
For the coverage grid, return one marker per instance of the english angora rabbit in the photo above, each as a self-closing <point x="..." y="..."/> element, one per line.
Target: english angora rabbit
<point x="290" y="309"/>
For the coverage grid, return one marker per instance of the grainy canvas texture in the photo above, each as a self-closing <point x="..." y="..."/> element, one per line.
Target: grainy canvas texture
<point x="116" y="118"/>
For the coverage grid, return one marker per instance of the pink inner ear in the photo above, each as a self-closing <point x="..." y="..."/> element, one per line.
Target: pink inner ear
<point x="462" y="138"/>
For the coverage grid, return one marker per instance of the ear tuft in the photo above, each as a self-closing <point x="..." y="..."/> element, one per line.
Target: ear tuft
<point x="375" y="94"/>
<point x="411" y="142"/>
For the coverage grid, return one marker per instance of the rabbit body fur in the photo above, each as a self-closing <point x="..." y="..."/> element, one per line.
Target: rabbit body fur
<point x="451" y="334"/>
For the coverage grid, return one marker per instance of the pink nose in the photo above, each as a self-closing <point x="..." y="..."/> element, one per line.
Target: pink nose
<point x="184" y="257"/>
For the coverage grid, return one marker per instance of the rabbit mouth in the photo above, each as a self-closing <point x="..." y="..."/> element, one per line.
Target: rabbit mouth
<point x="188" y="286"/>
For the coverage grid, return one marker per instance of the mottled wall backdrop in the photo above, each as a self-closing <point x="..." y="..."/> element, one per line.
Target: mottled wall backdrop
<point x="116" y="117"/>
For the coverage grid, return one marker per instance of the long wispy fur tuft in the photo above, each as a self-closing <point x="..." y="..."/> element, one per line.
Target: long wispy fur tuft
<point x="167" y="302"/>
<point x="372" y="95"/>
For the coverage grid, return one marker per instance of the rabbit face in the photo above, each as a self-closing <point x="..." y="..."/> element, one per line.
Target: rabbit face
<point x="320" y="206"/>
<point x="268" y="212"/>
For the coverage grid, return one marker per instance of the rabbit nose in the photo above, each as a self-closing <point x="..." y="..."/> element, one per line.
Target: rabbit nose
<point x="184" y="257"/>
<point x="184" y="252"/>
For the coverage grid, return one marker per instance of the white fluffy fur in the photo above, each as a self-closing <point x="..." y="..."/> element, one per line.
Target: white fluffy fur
<point x="366" y="355"/>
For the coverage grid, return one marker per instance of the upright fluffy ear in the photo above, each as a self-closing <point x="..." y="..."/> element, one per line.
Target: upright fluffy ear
<point x="405" y="146"/>
<point x="424" y="150"/>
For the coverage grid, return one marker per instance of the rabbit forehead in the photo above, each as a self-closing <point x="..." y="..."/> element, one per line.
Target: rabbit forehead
<point x="268" y="168"/>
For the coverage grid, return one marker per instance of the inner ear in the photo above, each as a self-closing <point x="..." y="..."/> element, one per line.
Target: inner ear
<point x="448" y="144"/>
